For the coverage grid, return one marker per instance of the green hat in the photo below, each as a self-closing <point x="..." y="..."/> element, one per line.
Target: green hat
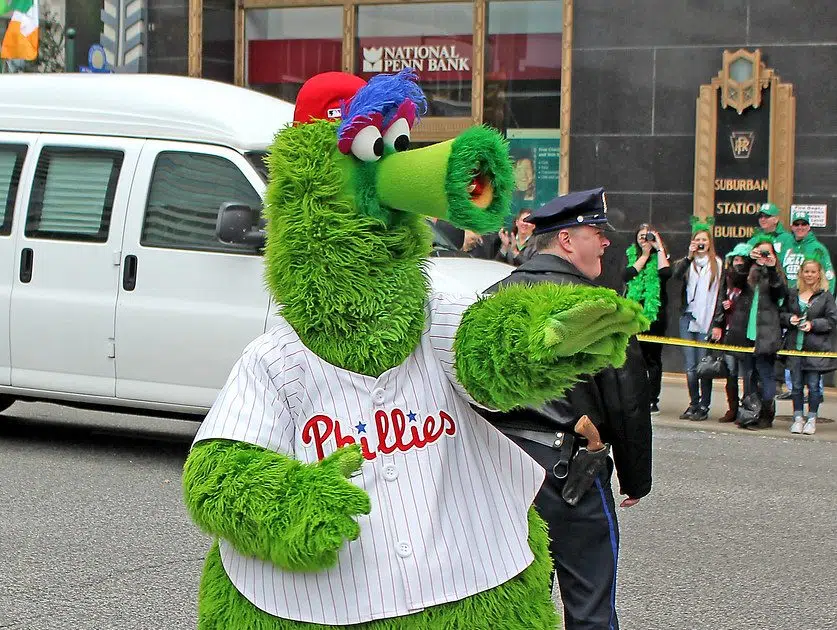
<point x="800" y="215"/>
<point x="701" y="225"/>
<point x="770" y="209"/>
<point x="741" y="249"/>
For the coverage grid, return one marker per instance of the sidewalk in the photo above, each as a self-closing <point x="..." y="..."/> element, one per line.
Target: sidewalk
<point x="675" y="398"/>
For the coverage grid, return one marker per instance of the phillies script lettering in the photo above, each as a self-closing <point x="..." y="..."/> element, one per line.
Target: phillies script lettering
<point x="393" y="431"/>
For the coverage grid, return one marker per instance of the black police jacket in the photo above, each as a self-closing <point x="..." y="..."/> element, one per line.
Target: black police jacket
<point x="616" y="400"/>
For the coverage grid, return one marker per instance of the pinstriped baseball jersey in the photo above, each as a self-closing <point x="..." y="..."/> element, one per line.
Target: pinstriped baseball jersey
<point x="449" y="493"/>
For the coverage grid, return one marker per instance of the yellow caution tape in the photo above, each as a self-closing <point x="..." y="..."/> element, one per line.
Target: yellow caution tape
<point x="675" y="341"/>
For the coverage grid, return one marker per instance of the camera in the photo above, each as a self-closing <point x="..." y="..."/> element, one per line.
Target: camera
<point x="764" y="254"/>
<point x="701" y="247"/>
<point x="649" y="236"/>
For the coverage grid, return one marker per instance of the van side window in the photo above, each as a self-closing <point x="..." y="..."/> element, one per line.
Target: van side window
<point x="11" y="163"/>
<point x="187" y="190"/>
<point x="73" y="193"/>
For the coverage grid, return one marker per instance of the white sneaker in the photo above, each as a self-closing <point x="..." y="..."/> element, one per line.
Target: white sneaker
<point x="796" y="427"/>
<point x="810" y="426"/>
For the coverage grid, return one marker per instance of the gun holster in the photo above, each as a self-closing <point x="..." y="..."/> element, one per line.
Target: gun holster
<point x="583" y="470"/>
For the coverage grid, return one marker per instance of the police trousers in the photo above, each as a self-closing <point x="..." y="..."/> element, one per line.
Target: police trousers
<point x="584" y="543"/>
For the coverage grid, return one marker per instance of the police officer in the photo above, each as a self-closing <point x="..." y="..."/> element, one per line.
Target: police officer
<point x="570" y="242"/>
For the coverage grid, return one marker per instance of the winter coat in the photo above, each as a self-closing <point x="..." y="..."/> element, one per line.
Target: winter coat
<point x="772" y="290"/>
<point x="797" y="252"/>
<point x="731" y="289"/>
<point x="680" y="271"/>
<point x="616" y="400"/>
<point x="822" y="313"/>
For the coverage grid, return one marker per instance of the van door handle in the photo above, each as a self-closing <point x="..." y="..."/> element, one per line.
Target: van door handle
<point x="129" y="273"/>
<point x="27" y="259"/>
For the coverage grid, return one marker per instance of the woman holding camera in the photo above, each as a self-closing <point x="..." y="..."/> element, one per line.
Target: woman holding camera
<point x="810" y="315"/>
<point x="645" y="276"/>
<point x="701" y="272"/>
<point x="756" y="323"/>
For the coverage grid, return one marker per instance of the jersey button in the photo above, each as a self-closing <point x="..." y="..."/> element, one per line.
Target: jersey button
<point x="404" y="549"/>
<point x="390" y="472"/>
<point x="378" y="396"/>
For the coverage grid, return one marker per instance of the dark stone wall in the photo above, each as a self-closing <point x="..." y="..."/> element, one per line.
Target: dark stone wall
<point x="637" y="68"/>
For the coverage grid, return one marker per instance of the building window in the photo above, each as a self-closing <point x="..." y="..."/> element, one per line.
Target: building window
<point x="73" y="193"/>
<point x="181" y="211"/>
<point x="218" y="52"/>
<point x="523" y="92"/>
<point x="168" y="37"/>
<point x="286" y="47"/>
<point x="11" y="163"/>
<point x="434" y="39"/>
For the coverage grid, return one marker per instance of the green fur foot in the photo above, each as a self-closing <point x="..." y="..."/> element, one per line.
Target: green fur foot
<point x="524" y="602"/>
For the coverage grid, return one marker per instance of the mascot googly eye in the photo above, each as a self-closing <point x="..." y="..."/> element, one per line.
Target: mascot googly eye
<point x="368" y="145"/>
<point x="397" y="137"/>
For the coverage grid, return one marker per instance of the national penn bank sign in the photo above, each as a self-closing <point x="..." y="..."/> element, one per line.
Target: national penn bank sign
<point x="432" y="58"/>
<point x="443" y="59"/>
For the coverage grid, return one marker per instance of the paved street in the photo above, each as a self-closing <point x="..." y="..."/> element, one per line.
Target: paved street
<point x="739" y="532"/>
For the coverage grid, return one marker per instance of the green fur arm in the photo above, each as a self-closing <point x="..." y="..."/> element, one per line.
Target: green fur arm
<point x="527" y="345"/>
<point x="270" y="506"/>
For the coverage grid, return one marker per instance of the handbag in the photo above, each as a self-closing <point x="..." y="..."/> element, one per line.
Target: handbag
<point x="712" y="366"/>
<point x="749" y="409"/>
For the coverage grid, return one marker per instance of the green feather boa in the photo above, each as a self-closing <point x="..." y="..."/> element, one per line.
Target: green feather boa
<point x="645" y="287"/>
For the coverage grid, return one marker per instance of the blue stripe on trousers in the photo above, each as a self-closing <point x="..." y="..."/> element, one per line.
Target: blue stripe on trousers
<point x="614" y="548"/>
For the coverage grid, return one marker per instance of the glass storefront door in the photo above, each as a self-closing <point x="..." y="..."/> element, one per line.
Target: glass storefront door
<point x="523" y="92"/>
<point x="285" y="47"/>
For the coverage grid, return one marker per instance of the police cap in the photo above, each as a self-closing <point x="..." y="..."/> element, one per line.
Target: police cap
<point x="586" y="207"/>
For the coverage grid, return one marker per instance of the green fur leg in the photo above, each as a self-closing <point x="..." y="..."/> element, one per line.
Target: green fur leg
<point x="527" y="345"/>
<point x="297" y="516"/>
<point x="522" y="603"/>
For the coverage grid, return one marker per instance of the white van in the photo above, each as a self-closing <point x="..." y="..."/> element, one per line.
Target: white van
<point x="114" y="288"/>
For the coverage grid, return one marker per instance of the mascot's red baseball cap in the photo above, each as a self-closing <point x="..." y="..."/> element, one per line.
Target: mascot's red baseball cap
<point x="320" y="96"/>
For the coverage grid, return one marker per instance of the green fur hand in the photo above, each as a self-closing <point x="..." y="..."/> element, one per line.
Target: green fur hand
<point x="596" y="327"/>
<point x="325" y="504"/>
<point x="270" y="506"/>
<point x="529" y="344"/>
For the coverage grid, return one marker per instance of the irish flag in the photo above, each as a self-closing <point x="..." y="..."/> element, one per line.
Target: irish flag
<point x="21" y="40"/>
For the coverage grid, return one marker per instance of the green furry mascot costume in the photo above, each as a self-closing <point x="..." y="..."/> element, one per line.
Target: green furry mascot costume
<point x="341" y="470"/>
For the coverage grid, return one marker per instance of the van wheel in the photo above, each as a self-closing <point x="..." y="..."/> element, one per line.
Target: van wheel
<point x="5" y="402"/>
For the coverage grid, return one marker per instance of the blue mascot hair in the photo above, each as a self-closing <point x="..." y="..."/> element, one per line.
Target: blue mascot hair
<point x="382" y="95"/>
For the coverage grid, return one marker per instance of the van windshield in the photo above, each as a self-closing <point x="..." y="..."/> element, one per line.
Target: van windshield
<point x="257" y="159"/>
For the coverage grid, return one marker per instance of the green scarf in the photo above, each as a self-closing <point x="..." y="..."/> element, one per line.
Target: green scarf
<point x="754" y="311"/>
<point x="645" y="287"/>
